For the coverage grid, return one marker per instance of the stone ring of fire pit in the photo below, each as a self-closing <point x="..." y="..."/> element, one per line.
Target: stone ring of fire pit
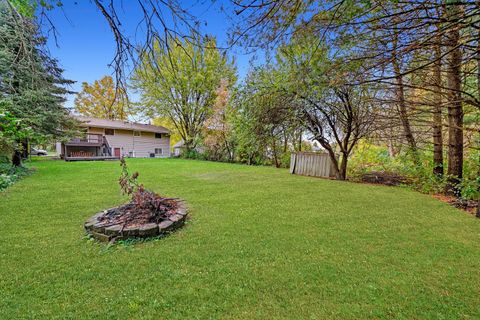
<point x="106" y="231"/>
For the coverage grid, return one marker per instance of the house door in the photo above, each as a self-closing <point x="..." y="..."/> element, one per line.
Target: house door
<point x="116" y="152"/>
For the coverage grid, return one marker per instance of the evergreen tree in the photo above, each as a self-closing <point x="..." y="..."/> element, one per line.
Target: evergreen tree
<point x="32" y="88"/>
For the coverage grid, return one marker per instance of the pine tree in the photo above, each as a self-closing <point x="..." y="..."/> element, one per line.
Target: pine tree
<point x="32" y="88"/>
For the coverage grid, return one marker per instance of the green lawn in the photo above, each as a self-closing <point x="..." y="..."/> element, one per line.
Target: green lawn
<point x="261" y="244"/>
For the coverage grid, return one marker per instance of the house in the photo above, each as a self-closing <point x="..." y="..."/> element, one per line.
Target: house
<point x="103" y="139"/>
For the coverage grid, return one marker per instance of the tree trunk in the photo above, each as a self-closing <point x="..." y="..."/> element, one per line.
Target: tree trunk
<point x="437" y="113"/>
<point x="25" y="149"/>
<point x="478" y="93"/>
<point x="455" y="109"/>
<point x="189" y="146"/>
<point x="275" y="156"/>
<point x="478" y="209"/>
<point x="478" y="173"/>
<point x="17" y="158"/>
<point x="342" y="173"/>
<point x="391" y="149"/>
<point x="402" y="105"/>
<point x="334" y="160"/>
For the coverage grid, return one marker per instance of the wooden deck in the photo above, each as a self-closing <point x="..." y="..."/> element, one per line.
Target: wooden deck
<point x="94" y="158"/>
<point x="89" y="140"/>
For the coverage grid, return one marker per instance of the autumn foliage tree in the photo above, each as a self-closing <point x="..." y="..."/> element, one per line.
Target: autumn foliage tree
<point x="180" y="81"/>
<point x="104" y="100"/>
<point x="217" y="130"/>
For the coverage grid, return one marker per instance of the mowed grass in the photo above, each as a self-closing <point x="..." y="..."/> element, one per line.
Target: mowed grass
<point x="260" y="244"/>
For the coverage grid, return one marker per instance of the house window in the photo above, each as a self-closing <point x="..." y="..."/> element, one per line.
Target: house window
<point x="158" y="135"/>
<point x="158" y="151"/>
<point x="109" y="132"/>
<point x="136" y="133"/>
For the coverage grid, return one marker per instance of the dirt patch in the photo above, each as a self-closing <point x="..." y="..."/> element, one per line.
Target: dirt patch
<point x="384" y="178"/>
<point x="467" y="205"/>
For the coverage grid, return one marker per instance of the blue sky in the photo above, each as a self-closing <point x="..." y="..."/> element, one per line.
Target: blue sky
<point x="86" y="45"/>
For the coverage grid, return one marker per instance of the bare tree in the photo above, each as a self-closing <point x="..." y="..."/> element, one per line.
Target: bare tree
<point x="394" y="42"/>
<point x="338" y="121"/>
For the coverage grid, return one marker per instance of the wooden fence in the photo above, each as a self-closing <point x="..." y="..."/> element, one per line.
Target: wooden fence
<point x="314" y="164"/>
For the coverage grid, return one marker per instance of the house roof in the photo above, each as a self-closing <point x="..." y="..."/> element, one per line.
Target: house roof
<point x="118" y="124"/>
<point x="179" y="144"/>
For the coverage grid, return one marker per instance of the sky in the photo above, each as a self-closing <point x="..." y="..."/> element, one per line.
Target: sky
<point x="85" y="45"/>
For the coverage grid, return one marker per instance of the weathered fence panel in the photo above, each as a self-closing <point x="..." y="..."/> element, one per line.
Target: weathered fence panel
<point x="314" y="164"/>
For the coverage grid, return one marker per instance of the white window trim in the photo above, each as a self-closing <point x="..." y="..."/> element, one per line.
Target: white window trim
<point x="158" y="154"/>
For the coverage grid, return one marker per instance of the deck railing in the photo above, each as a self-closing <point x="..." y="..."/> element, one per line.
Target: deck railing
<point x="82" y="154"/>
<point x="88" y="138"/>
<point x="107" y="148"/>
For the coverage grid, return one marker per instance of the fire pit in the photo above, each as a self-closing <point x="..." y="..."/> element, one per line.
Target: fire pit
<point x="146" y="215"/>
<point x="124" y="222"/>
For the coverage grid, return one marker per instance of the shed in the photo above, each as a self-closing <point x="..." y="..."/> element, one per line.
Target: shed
<point x="177" y="148"/>
<point x="316" y="164"/>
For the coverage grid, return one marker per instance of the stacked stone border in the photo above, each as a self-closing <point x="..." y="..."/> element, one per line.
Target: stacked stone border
<point x="112" y="233"/>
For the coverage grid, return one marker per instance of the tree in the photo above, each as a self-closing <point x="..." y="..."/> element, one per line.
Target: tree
<point x="217" y="131"/>
<point x="249" y="146"/>
<point x="336" y="114"/>
<point x="180" y="81"/>
<point x="32" y="88"/>
<point x="12" y="131"/>
<point x="103" y="100"/>
<point x="394" y="42"/>
<point x="266" y="125"/>
<point x="400" y="98"/>
<point x="152" y="20"/>
<point x="455" y="107"/>
<point x="437" y="111"/>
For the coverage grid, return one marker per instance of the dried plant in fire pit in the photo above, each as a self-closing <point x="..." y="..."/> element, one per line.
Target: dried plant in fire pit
<point x="147" y="213"/>
<point x="145" y="206"/>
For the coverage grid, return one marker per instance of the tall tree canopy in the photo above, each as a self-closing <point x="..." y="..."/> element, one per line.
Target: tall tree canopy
<point x="104" y="100"/>
<point x="180" y="81"/>
<point x="32" y="88"/>
<point x="217" y="130"/>
<point x="423" y="55"/>
<point x="266" y="122"/>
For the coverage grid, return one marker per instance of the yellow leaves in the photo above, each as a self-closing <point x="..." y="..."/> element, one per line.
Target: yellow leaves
<point x="103" y="100"/>
<point x="168" y="123"/>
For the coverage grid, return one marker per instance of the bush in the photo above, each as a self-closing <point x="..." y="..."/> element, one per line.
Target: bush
<point x="4" y="159"/>
<point x="373" y="158"/>
<point x="6" y="181"/>
<point x="9" y="174"/>
<point x="192" y="154"/>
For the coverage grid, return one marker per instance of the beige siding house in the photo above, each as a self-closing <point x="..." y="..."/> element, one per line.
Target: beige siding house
<point x="108" y="139"/>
